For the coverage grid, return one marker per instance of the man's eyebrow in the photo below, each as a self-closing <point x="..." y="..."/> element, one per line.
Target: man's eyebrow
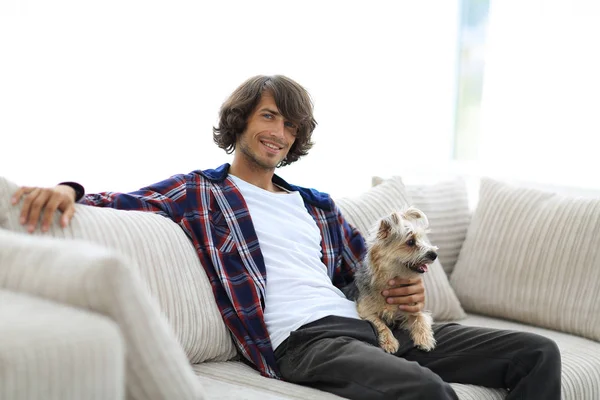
<point x="269" y="110"/>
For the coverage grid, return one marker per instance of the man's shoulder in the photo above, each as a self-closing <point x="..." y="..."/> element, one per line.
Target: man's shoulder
<point x="321" y="199"/>
<point x="311" y="196"/>
<point x="215" y="174"/>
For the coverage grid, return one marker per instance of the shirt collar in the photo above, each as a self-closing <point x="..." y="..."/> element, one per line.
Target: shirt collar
<point x="311" y="196"/>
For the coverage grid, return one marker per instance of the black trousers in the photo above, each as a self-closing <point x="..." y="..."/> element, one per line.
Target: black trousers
<point x="341" y="355"/>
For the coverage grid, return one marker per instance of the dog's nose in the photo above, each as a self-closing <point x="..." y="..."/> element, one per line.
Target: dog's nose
<point x="432" y="255"/>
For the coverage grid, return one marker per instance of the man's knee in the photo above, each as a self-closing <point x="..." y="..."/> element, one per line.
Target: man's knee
<point x="543" y="354"/>
<point x="550" y="354"/>
<point x="428" y="386"/>
<point x="544" y="348"/>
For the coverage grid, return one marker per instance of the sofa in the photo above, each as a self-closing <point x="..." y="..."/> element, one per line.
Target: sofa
<point x="117" y="304"/>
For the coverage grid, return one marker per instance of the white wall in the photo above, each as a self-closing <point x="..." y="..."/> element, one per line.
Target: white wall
<point x="121" y="94"/>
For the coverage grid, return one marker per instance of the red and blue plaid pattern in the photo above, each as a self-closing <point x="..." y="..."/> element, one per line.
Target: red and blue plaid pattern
<point x="211" y="210"/>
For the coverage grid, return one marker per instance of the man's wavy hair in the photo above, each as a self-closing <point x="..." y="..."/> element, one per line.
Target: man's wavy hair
<point x="292" y="100"/>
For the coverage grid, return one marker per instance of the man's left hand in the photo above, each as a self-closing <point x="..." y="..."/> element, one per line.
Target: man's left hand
<point x="409" y="294"/>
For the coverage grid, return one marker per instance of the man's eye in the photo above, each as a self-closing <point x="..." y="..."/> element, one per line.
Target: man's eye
<point x="267" y="115"/>
<point x="290" y="124"/>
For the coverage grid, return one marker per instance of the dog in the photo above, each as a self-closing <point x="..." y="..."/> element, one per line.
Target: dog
<point x="396" y="248"/>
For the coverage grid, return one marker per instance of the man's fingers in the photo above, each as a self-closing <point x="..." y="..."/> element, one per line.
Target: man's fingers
<point x="36" y="208"/>
<point x="414" y="298"/>
<point x="31" y="196"/>
<point x="40" y="204"/>
<point x="19" y="193"/>
<point x="404" y="281"/>
<point x="67" y="215"/>
<point x="49" y="209"/>
<point x="404" y="291"/>
<point x="412" y="309"/>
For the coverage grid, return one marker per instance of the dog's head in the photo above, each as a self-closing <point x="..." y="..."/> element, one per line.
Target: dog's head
<point x="398" y="241"/>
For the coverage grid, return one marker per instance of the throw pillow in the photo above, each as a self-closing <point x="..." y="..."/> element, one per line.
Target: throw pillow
<point x="83" y="275"/>
<point x="446" y="204"/>
<point x="365" y="210"/>
<point x="533" y="256"/>
<point x="162" y="255"/>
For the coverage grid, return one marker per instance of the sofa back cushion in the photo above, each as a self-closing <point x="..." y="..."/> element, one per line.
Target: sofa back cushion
<point x="162" y="255"/>
<point x="365" y="210"/>
<point x="532" y="256"/>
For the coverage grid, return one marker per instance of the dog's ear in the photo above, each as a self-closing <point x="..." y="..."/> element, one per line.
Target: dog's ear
<point x="414" y="214"/>
<point x="385" y="229"/>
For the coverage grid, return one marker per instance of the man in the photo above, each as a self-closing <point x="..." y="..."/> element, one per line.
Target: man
<point x="279" y="255"/>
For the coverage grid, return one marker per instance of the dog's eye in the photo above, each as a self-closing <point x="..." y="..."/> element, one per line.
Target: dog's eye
<point x="411" y="242"/>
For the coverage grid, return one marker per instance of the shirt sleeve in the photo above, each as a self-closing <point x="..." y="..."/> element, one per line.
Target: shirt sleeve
<point x="353" y="251"/>
<point x="167" y="198"/>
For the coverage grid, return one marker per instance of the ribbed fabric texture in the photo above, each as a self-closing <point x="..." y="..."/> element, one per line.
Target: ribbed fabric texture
<point x="235" y="380"/>
<point x="49" y="351"/>
<point x="88" y="276"/>
<point x="472" y="392"/>
<point x="533" y="256"/>
<point x="446" y="204"/>
<point x="580" y="357"/>
<point x="165" y="259"/>
<point x="365" y="210"/>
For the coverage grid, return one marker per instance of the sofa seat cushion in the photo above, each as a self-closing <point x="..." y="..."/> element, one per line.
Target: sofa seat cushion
<point x="233" y="380"/>
<point x="580" y="356"/>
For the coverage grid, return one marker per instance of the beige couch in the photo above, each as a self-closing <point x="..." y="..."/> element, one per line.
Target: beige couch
<point x="118" y="306"/>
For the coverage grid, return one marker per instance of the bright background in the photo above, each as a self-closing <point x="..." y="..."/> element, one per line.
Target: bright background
<point x="121" y="94"/>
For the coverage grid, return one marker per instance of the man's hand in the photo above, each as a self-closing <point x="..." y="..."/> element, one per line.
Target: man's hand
<point x="46" y="201"/>
<point x="409" y="294"/>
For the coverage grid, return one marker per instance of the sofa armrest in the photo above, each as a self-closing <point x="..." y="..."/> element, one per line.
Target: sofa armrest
<point x="53" y="352"/>
<point x="87" y="276"/>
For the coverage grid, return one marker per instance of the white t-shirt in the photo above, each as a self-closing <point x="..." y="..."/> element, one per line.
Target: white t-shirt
<point x="298" y="288"/>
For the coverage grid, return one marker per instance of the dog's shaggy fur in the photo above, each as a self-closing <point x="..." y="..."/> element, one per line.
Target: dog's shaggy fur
<point x="397" y="248"/>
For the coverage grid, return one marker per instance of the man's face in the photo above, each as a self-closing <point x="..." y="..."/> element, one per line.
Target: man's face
<point x="268" y="136"/>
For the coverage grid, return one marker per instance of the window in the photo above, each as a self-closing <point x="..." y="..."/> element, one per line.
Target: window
<point x="541" y="92"/>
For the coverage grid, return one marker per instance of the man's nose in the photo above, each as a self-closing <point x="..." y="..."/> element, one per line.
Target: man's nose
<point x="278" y="128"/>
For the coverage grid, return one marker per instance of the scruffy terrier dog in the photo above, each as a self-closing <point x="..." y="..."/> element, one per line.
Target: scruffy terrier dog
<point x="397" y="247"/>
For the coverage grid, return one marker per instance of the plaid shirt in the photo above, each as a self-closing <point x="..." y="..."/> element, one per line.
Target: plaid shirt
<point x="211" y="210"/>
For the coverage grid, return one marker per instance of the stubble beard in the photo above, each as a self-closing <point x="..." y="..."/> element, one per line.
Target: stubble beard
<point x="254" y="160"/>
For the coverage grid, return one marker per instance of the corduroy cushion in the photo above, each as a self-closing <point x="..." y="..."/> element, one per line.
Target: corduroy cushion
<point x="84" y="275"/>
<point x="365" y="210"/>
<point x="580" y="357"/>
<point x="532" y="256"/>
<point x="446" y="204"/>
<point x="165" y="259"/>
<point x="49" y="351"/>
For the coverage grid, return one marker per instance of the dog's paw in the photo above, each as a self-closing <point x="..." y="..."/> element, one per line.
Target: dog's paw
<point x="388" y="342"/>
<point x="425" y="341"/>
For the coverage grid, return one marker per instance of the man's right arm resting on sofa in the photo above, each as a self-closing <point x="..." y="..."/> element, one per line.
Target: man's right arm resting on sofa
<point x="40" y="204"/>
